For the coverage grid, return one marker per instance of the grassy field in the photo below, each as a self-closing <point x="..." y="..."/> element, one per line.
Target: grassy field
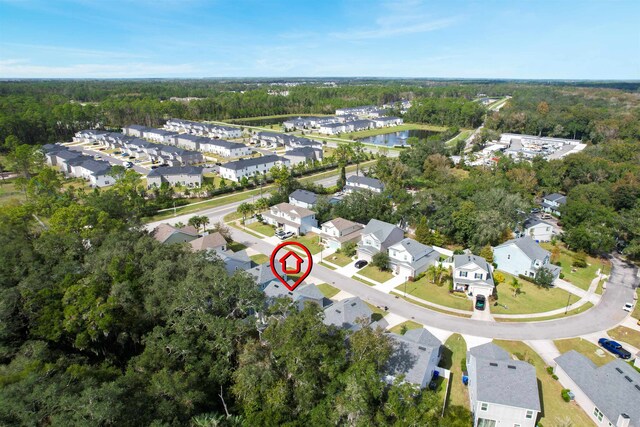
<point x="235" y="246"/>
<point x="310" y="240"/>
<point x="451" y="313"/>
<point x="261" y="228"/>
<point x="328" y="290"/>
<point x="455" y="350"/>
<point x="408" y="325"/>
<point x="330" y="267"/>
<point x="259" y="258"/>
<point x="573" y="312"/>
<point x="428" y="291"/>
<point x="532" y="299"/>
<point x="464" y="134"/>
<point x="628" y="335"/>
<point x="392" y="129"/>
<point x="554" y="410"/>
<point x="366" y="282"/>
<point x="585" y="347"/>
<point x="374" y="273"/>
<point x="581" y="277"/>
<point x="636" y="309"/>
<point x="338" y="259"/>
<point x="9" y="193"/>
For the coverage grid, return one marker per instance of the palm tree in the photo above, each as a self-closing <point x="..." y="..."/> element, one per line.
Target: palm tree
<point x="245" y="209"/>
<point x="261" y="204"/>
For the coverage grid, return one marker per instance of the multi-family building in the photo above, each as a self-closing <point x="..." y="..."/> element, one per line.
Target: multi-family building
<point x="238" y="169"/>
<point x="187" y="176"/>
<point x="363" y="183"/>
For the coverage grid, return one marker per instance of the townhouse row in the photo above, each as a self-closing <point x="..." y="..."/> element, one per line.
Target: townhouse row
<point x="77" y="165"/>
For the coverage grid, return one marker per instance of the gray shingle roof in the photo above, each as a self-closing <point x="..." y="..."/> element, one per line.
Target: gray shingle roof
<point x="365" y="180"/>
<point x="614" y="388"/>
<point x="304" y="196"/>
<point x="528" y="246"/>
<point x="380" y="229"/>
<point x="502" y="381"/>
<point x="254" y="161"/>
<point x="533" y="221"/>
<point x="556" y="197"/>
<point x="460" y="261"/>
<point x="345" y="313"/>
<point x="306" y="152"/>
<point x="176" y="170"/>
<point x="413" y="247"/>
<point x="411" y="355"/>
<point x="96" y="167"/>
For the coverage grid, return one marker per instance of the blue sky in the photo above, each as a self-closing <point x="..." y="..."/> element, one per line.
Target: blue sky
<point x="544" y="39"/>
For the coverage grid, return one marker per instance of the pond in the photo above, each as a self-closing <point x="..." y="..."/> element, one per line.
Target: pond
<point x="394" y="139"/>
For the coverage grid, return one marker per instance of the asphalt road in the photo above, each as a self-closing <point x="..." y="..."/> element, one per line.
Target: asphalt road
<point x="605" y="315"/>
<point x="84" y="149"/>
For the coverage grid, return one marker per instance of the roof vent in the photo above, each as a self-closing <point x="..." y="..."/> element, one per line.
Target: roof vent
<point x="338" y="311"/>
<point x="422" y="348"/>
<point x="619" y="370"/>
<point x="493" y="364"/>
<point x="353" y="304"/>
<point x="626" y="377"/>
<point x="511" y="367"/>
<point x="638" y="387"/>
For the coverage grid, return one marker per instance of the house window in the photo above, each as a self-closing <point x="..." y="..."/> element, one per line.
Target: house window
<point x="517" y="425"/>
<point x="529" y="415"/>
<point x="484" y="406"/>
<point x="598" y="414"/>
<point x="482" y="422"/>
<point x="463" y="274"/>
<point x="509" y="256"/>
<point x="477" y="276"/>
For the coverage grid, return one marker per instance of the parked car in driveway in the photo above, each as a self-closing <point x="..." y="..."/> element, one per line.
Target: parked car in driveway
<point x="283" y="236"/>
<point x="614" y="348"/>
<point x="628" y="307"/>
<point x="361" y="263"/>
<point x="481" y="302"/>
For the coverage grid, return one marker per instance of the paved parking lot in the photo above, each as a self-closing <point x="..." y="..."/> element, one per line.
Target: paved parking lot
<point x="92" y="150"/>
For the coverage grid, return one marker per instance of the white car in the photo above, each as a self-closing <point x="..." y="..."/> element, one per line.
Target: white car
<point x="628" y="307"/>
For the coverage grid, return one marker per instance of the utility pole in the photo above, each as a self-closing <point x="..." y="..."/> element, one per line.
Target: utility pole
<point x="566" y="310"/>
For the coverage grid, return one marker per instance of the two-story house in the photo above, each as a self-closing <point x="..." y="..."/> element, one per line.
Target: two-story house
<point x="360" y="183"/>
<point x="349" y="313"/>
<point x="408" y="257"/>
<point x="609" y="394"/>
<point x="523" y="256"/>
<point x="552" y="203"/>
<point x="339" y="231"/>
<point x="238" y="169"/>
<point x="502" y="391"/>
<point x="188" y="176"/>
<point x="377" y="236"/>
<point x="303" y="198"/>
<point x="303" y="294"/>
<point x="291" y="218"/>
<point x="538" y="230"/>
<point x="167" y="234"/>
<point x="472" y="275"/>
<point x="415" y="356"/>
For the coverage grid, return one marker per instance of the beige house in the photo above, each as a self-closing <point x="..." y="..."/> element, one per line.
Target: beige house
<point x="339" y="231"/>
<point x="291" y="218"/>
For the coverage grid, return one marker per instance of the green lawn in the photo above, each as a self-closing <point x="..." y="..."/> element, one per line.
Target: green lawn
<point x="636" y="309"/>
<point x="261" y="228"/>
<point x="428" y="291"/>
<point x="378" y="313"/>
<point x="408" y="325"/>
<point x="328" y="290"/>
<point x="428" y="307"/>
<point x="581" y="277"/>
<point x="235" y="246"/>
<point x="310" y="240"/>
<point x="554" y="409"/>
<point x="374" y="273"/>
<point x="366" y="282"/>
<point x="533" y="299"/>
<point x="573" y="312"/>
<point x="455" y="350"/>
<point x="338" y="259"/>
<point x="628" y="335"/>
<point x="585" y="347"/>
<point x="464" y="134"/>
<point x="330" y="267"/>
<point x="259" y="258"/>
<point x="9" y="193"/>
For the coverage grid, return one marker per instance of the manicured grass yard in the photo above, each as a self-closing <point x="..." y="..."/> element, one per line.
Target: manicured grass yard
<point x="338" y="259"/>
<point x="554" y="410"/>
<point x="455" y="350"/>
<point x="261" y="228"/>
<point x="235" y="246"/>
<point x="259" y="258"/>
<point x="636" y="309"/>
<point x="378" y="313"/>
<point x="409" y="325"/>
<point x="581" y="277"/>
<point x="533" y="299"/>
<point x="310" y="240"/>
<point x="374" y="273"/>
<point x="428" y="291"/>
<point x="328" y="290"/>
<point x="585" y="347"/>
<point x="628" y="335"/>
<point x="573" y="312"/>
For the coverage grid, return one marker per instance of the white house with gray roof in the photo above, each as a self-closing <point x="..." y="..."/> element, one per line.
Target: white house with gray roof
<point x="135" y="130"/>
<point x="303" y="155"/>
<point x="188" y="176"/>
<point x="502" y="391"/>
<point x="552" y="203"/>
<point x="538" y="230"/>
<point x="378" y="236"/>
<point x="238" y="169"/>
<point x="408" y="257"/>
<point x="291" y="218"/>
<point x="263" y="275"/>
<point x="349" y="313"/>
<point x="303" y="198"/>
<point x="363" y="183"/>
<point x="415" y="357"/>
<point x="301" y="295"/>
<point x="609" y="394"/>
<point x="523" y="256"/>
<point x="472" y="274"/>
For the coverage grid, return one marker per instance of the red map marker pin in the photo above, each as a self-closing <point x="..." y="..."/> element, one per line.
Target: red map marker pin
<point x="289" y="256"/>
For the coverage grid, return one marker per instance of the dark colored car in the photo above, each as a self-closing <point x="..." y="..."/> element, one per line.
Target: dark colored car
<point x="361" y="263"/>
<point x="614" y="348"/>
<point x="481" y="302"/>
